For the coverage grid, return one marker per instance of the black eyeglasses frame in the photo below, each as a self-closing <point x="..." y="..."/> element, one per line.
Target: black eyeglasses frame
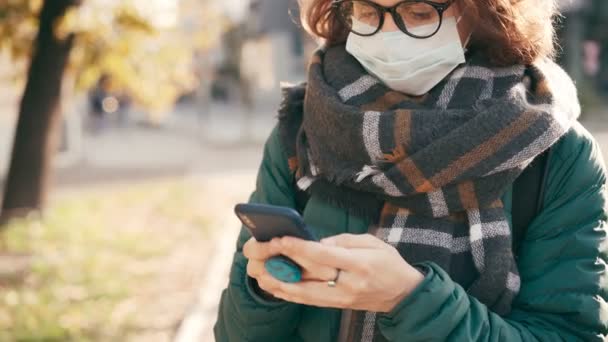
<point x="440" y="7"/>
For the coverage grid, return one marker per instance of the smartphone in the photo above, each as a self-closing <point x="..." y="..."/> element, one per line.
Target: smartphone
<point x="266" y="222"/>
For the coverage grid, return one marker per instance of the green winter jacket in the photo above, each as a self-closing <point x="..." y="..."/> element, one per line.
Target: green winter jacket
<point x="562" y="263"/>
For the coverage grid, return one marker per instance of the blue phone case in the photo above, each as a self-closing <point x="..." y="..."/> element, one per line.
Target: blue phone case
<point x="284" y="269"/>
<point x="266" y="222"/>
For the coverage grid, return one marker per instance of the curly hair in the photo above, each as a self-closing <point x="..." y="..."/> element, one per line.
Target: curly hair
<point x="508" y="32"/>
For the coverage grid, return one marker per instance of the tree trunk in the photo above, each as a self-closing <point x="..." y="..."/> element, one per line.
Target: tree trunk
<point x="34" y="145"/>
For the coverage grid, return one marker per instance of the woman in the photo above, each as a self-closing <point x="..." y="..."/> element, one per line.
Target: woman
<point x="415" y="121"/>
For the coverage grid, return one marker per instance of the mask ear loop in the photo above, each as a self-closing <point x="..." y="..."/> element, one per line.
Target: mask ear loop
<point x="466" y="42"/>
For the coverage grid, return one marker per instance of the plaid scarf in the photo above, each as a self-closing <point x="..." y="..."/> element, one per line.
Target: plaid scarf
<point x="429" y="172"/>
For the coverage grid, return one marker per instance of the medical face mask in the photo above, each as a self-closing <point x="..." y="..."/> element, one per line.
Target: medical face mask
<point x="406" y="64"/>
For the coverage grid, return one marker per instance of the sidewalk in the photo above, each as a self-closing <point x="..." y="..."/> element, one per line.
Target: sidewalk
<point x="224" y="138"/>
<point x="198" y="324"/>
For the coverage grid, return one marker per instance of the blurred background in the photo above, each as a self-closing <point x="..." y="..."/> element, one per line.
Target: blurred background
<point x="126" y="141"/>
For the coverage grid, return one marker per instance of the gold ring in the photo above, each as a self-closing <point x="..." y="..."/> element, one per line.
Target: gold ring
<point x="332" y="283"/>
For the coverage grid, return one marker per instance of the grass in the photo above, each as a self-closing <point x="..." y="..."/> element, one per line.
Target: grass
<point x="94" y="257"/>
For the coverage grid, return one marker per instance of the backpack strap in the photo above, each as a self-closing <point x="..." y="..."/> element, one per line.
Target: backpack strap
<point x="528" y="193"/>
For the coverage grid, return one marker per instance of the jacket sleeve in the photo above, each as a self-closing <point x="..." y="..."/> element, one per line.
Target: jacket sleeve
<point x="244" y="315"/>
<point x="562" y="265"/>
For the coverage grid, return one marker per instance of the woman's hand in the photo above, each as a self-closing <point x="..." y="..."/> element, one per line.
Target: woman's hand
<point x="259" y="252"/>
<point x="373" y="276"/>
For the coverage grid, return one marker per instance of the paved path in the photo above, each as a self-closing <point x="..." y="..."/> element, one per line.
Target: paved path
<point x="222" y="139"/>
<point x="198" y="324"/>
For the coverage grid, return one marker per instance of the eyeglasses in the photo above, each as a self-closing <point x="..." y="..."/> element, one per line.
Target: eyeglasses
<point x="417" y="18"/>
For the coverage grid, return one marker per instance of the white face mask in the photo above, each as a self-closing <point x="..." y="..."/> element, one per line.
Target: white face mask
<point x="406" y="64"/>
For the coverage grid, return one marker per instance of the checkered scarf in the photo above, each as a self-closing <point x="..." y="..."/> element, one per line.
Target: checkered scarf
<point x="428" y="171"/>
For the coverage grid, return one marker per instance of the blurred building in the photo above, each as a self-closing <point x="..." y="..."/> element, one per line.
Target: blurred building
<point x="597" y="33"/>
<point x="571" y="33"/>
<point x="583" y="38"/>
<point x="275" y="48"/>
